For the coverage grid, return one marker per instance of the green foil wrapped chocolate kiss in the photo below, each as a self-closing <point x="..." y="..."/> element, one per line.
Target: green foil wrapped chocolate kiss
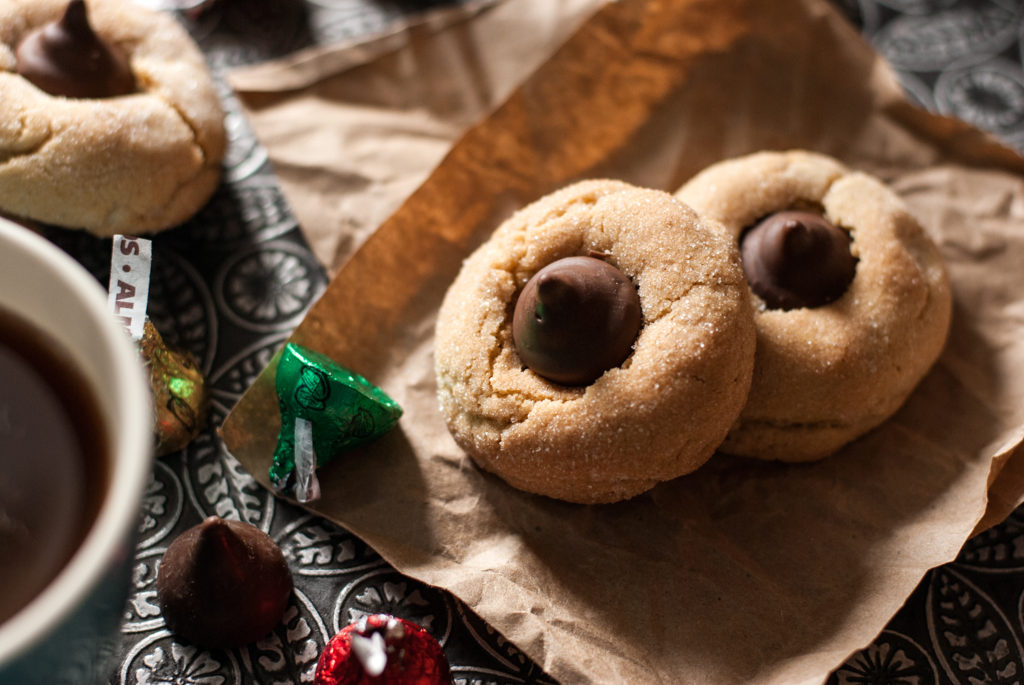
<point x="325" y="410"/>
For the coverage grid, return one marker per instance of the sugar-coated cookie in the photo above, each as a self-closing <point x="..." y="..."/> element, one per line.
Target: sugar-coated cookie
<point x="846" y="327"/>
<point x="84" y="145"/>
<point x="657" y="414"/>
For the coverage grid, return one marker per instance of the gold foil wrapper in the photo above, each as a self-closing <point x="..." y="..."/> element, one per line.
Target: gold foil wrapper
<point x="180" y="401"/>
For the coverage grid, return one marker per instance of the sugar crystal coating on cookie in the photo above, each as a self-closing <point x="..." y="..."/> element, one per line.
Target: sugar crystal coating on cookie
<point x="796" y="259"/>
<point x="223" y="584"/>
<point x="575" y="319"/>
<point x="66" y="57"/>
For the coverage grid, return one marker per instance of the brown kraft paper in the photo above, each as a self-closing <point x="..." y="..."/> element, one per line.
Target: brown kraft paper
<point x="743" y="571"/>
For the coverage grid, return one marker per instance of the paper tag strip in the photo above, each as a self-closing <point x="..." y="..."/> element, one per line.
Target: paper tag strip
<point x="128" y="292"/>
<point x="307" y="486"/>
<point x="372" y="653"/>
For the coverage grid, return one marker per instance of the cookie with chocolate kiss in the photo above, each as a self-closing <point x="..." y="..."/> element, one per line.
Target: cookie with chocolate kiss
<point x="223" y="583"/>
<point x="851" y="299"/>
<point x="593" y="379"/>
<point x="119" y="125"/>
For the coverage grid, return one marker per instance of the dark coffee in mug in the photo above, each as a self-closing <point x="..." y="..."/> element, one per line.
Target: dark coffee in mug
<point x="53" y="461"/>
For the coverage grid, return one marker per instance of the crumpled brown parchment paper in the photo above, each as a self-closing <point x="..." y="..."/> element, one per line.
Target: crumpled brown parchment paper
<point x="744" y="571"/>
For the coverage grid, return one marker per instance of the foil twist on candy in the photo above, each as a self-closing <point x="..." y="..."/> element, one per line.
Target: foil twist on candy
<point x="179" y="392"/>
<point x="383" y="650"/>
<point x="325" y="410"/>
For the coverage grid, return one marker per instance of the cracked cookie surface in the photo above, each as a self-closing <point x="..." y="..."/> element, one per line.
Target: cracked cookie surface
<point x="135" y="163"/>
<point x="825" y="375"/>
<point x="658" y="415"/>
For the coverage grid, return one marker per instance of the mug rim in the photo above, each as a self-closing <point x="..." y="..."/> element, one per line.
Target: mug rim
<point x="130" y="455"/>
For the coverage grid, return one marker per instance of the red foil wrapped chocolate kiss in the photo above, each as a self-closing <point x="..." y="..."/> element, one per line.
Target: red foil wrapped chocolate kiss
<point x="383" y="650"/>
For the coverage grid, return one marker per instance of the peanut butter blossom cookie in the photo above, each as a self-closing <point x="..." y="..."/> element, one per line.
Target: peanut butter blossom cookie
<point x="851" y="298"/>
<point x="109" y="120"/>
<point x="600" y="342"/>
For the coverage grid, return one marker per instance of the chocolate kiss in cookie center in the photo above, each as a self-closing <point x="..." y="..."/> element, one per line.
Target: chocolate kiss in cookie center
<point x="796" y="259"/>
<point x="66" y="57"/>
<point x="575" y="319"/>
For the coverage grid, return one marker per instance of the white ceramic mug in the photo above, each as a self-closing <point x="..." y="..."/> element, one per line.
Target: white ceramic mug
<point x="70" y="632"/>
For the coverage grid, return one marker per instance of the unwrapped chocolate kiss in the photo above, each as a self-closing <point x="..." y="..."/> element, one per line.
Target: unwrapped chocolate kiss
<point x="796" y="259"/>
<point x="223" y="584"/>
<point x="66" y="57"/>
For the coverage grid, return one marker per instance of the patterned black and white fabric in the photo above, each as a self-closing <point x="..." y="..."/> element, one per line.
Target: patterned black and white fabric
<point x="235" y="280"/>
